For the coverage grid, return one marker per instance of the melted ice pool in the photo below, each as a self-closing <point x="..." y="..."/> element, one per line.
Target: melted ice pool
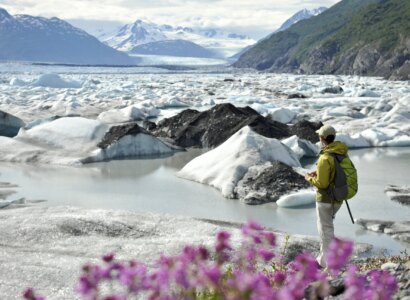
<point x="150" y="185"/>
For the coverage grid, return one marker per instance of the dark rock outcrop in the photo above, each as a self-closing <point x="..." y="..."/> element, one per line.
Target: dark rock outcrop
<point x="398" y="230"/>
<point x="269" y="184"/>
<point x="297" y="96"/>
<point x="9" y="124"/>
<point x="115" y="133"/>
<point x="211" y="128"/>
<point x="400" y="194"/>
<point x="306" y="130"/>
<point x="148" y="125"/>
<point x="333" y="90"/>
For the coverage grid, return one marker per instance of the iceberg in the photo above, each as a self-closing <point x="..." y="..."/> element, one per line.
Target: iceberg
<point x="297" y="199"/>
<point x="225" y="165"/>
<point x="55" y="81"/>
<point x="79" y="140"/>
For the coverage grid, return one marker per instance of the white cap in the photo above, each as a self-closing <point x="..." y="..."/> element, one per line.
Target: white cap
<point x="326" y="130"/>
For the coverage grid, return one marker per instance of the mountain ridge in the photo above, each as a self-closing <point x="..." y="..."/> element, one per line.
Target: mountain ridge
<point x="222" y="43"/>
<point x="39" y="39"/>
<point x="366" y="37"/>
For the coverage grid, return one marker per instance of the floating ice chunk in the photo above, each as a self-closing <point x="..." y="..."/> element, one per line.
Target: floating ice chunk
<point x="13" y="150"/>
<point x="384" y="136"/>
<point x="9" y="124"/>
<point x="249" y="99"/>
<point x="136" y="112"/>
<point x="305" y="87"/>
<point x="282" y="115"/>
<point x="297" y="199"/>
<point x="127" y="114"/>
<point x="263" y="109"/>
<point x="399" y="141"/>
<point x="171" y="103"/>
<point x="367" y="93"/>
<point x="207" y="102"/>
<point x="301" y="147"/>
<point x="341" y="111"/>
<point x="132" y="145"/>
<point x="68" y="133"/>
<point x="376" y="137"/>
<point x="225" y="165"/>
<point x="55" y="81"/>
<point x="18" y="82"/>
<point x="148" y="109"/>
<point x="40" y="121"/>
<point x="5" y="203"/>
<point x="400" y="113"/>
<point x="355" y="141"/>
<point x="78" y="140"/>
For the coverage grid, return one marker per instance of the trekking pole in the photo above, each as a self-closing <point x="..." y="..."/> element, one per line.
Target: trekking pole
<point x="350" y="213"/>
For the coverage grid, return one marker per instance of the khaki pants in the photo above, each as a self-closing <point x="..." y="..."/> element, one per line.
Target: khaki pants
<point x="325" y="227"/>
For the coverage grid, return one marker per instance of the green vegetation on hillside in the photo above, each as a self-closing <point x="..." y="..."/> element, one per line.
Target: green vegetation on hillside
<point x="301" y="37"/>
<point x="385" y="22"/>
<point x="364" y="37"/>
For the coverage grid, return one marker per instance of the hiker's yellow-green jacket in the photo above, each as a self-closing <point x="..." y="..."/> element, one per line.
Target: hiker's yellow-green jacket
<point x="326" y="170"/>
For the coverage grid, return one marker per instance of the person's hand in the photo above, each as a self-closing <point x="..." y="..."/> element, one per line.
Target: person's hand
<point x="310" y="174"/>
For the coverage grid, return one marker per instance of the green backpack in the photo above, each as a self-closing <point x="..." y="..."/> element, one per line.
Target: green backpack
<point x="345" y="186"/>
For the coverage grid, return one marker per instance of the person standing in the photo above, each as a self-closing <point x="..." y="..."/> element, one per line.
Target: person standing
<point x="322" y="179"/>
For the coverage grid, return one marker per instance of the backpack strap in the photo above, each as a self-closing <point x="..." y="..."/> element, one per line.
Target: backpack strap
<point x="338" y="159"/>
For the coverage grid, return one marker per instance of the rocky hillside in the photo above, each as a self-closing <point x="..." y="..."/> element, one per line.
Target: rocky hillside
<point x="362" y="37"/>
<point x="181" y="48"/>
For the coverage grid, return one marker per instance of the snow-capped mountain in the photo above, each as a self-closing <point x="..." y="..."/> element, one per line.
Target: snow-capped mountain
<point x="301" y="15"/>
<point x="220" y="42"/>
<point x="28" y="38"/>
<point x="132" y="35"/>
<point x="101" y="29"/>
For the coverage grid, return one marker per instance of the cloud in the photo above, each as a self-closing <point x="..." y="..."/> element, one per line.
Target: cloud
<point x="258" y="17"/>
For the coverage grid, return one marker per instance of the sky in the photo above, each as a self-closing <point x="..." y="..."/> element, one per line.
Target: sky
<point x="255" y="18"/>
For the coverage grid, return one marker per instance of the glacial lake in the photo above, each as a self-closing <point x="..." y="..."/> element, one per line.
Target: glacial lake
<point x="151" y="185"/>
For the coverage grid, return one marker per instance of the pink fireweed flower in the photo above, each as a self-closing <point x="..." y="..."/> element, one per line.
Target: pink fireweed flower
<point x="278" y="277"/>
<point x="108" y="257"/>
<point x="247" y="284"/>
<point x="29" y="294"/>
<point x="222" y="246"/>
<point x="382" y="285"/>
<point x="302" y="271"/>
<point x="135" y="277"/>
<point x="355" y="285"/>
<point x="222" y="241"/>
<point x="270" y="238"/>
<point x="116" y="297"/>
<point x="210" y="275"/>
<point x="265" y="254"/>
<point x="338" y="254"/>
